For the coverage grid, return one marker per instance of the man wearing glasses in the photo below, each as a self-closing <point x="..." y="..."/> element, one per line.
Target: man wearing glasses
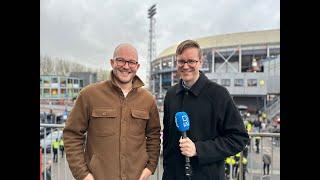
<point x="121" y="123"/>
<point x="216" y="128"/>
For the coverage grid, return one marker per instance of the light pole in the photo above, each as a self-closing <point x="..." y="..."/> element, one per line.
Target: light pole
<point x="152" y="47"/>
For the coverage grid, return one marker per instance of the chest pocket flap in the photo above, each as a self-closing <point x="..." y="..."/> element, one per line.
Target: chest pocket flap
<point x="104" y="112"/>
<point x="140" y="114"/>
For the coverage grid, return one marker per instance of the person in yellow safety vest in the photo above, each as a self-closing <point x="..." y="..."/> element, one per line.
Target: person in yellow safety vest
<point x="61" y="145"/>
<point x="229" y="161"/>
<point x="244" y="167"/>
<point x="264" y="116"/>
<point x="55" y="147"/>
<point x="249" y="126"/>
<point x="236" y="166"/>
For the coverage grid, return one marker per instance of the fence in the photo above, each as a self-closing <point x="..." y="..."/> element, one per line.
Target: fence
<point x="269" y="142"/>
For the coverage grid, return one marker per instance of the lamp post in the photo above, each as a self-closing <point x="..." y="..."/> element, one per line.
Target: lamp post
<point x="151" y="45"/>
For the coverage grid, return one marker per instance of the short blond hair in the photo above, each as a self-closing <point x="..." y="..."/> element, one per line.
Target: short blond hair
<point x="188" y="44"/>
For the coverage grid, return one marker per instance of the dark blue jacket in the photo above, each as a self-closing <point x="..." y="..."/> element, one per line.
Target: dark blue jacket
<point x="216" y="128"/>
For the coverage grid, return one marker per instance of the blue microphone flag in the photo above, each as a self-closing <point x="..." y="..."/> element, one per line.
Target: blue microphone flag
<point x="182" y="121"/>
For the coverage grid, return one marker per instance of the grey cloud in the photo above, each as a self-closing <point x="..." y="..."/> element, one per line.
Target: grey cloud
<point x="88" y="31"/>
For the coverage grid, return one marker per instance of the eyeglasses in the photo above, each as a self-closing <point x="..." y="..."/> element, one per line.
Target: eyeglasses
<point x="122" y="62"/>
<point x="190" y="62"/>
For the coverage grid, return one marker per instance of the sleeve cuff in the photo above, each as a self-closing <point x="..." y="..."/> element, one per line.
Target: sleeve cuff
<point x="82" y="175"/>
<point x="151" y="168"/>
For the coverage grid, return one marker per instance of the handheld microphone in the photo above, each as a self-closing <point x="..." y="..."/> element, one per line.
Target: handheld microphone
<point x="183" y="125"/>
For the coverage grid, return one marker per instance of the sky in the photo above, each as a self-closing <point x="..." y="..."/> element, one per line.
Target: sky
<point x="87" y="31"/>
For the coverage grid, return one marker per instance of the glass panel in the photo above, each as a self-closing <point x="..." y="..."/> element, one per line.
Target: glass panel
<point x="54" y="80"/>
<point x="252" y="82"/>
<point x="225" y="82"/>
<point x="238" y="82"/>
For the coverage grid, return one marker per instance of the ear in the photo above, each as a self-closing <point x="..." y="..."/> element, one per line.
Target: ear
<point x="201" y="61"/>
<point x="112" y="63"/>
<point x="138" y="65"/>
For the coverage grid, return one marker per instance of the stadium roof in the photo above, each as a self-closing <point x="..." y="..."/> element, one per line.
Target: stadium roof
<point x="242" y="38"/>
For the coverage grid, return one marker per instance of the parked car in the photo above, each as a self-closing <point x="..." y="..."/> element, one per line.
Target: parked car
<point x="48" y="130"/>
<point x="46" y="143"/>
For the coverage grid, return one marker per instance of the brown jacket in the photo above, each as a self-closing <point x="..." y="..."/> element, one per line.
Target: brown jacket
<point x="123" y="133"/>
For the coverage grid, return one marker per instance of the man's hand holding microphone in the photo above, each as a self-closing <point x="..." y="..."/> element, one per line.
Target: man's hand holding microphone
<point x="187" y="147"/>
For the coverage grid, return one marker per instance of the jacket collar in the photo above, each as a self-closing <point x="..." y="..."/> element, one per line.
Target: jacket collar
<point x="196" y="87"/>
<point x="136" y="81"/>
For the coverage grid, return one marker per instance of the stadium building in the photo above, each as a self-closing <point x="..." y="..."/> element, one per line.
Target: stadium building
<point x="246" y="63"/>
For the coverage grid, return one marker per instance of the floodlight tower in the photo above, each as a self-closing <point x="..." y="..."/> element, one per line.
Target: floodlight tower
<point x="151" y="47"/>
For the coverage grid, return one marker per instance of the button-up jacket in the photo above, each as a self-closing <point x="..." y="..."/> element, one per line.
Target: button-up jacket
<point x="216" y="128"/>
<point x="112" y="136"/>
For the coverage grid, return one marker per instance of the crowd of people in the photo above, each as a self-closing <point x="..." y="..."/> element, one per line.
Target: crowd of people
<point x="256" y="125"/>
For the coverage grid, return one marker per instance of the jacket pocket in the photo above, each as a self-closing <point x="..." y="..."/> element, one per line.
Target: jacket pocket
<point x="104" y="121"/>
<point x="139" y="121"/>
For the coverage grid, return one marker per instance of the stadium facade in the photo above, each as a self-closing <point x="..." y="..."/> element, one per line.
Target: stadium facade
<point x="246" y="63"/>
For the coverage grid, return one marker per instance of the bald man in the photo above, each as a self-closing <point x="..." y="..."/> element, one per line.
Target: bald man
<point x="121" y="123"/>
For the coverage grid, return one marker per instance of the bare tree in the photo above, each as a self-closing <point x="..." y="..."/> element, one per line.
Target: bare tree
<point x="59" y="66"/>
<point x="46" y="65"/>
<point x="102" y="75"/>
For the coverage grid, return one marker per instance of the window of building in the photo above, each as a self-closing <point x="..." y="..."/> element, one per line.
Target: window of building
<point x="46" y="91"/>
<point x="81" y="83"/>
<point x="62" y="82"/>
<point x="238" y="82"/>
<point x="75" y="90"/>
<point x="46" y="83"/>
<point x="54" y="91"/>
<point x="225" y="82"/>
<point x="40" y="81"/>
<point x="69" y="81"/>
<point x="75" y="81"/>
<point x="62" y="91"/>
<point x="166" y="63"/>
<point x="54" y="80"/>
<point x="252" y="82"/>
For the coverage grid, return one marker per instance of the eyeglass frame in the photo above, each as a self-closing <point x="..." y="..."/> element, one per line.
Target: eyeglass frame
<point x="187" y="61"/>
<point x="122" y="60"/>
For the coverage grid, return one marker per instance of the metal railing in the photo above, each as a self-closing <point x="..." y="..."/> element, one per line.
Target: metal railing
<point x="269" y="141"/>
<point x="51" y="169"/>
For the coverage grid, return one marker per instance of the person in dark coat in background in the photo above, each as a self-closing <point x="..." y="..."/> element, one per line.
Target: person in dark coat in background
<point x="216" y="127"/>
<point x="266" y="158"/>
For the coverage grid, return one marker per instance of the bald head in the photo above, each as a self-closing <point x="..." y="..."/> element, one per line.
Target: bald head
<point x="125" y="48"/>
<point x="124" y="63"/>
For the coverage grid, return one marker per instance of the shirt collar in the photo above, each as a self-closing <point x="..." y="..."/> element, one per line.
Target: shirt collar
<point x="196" y="87"/>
